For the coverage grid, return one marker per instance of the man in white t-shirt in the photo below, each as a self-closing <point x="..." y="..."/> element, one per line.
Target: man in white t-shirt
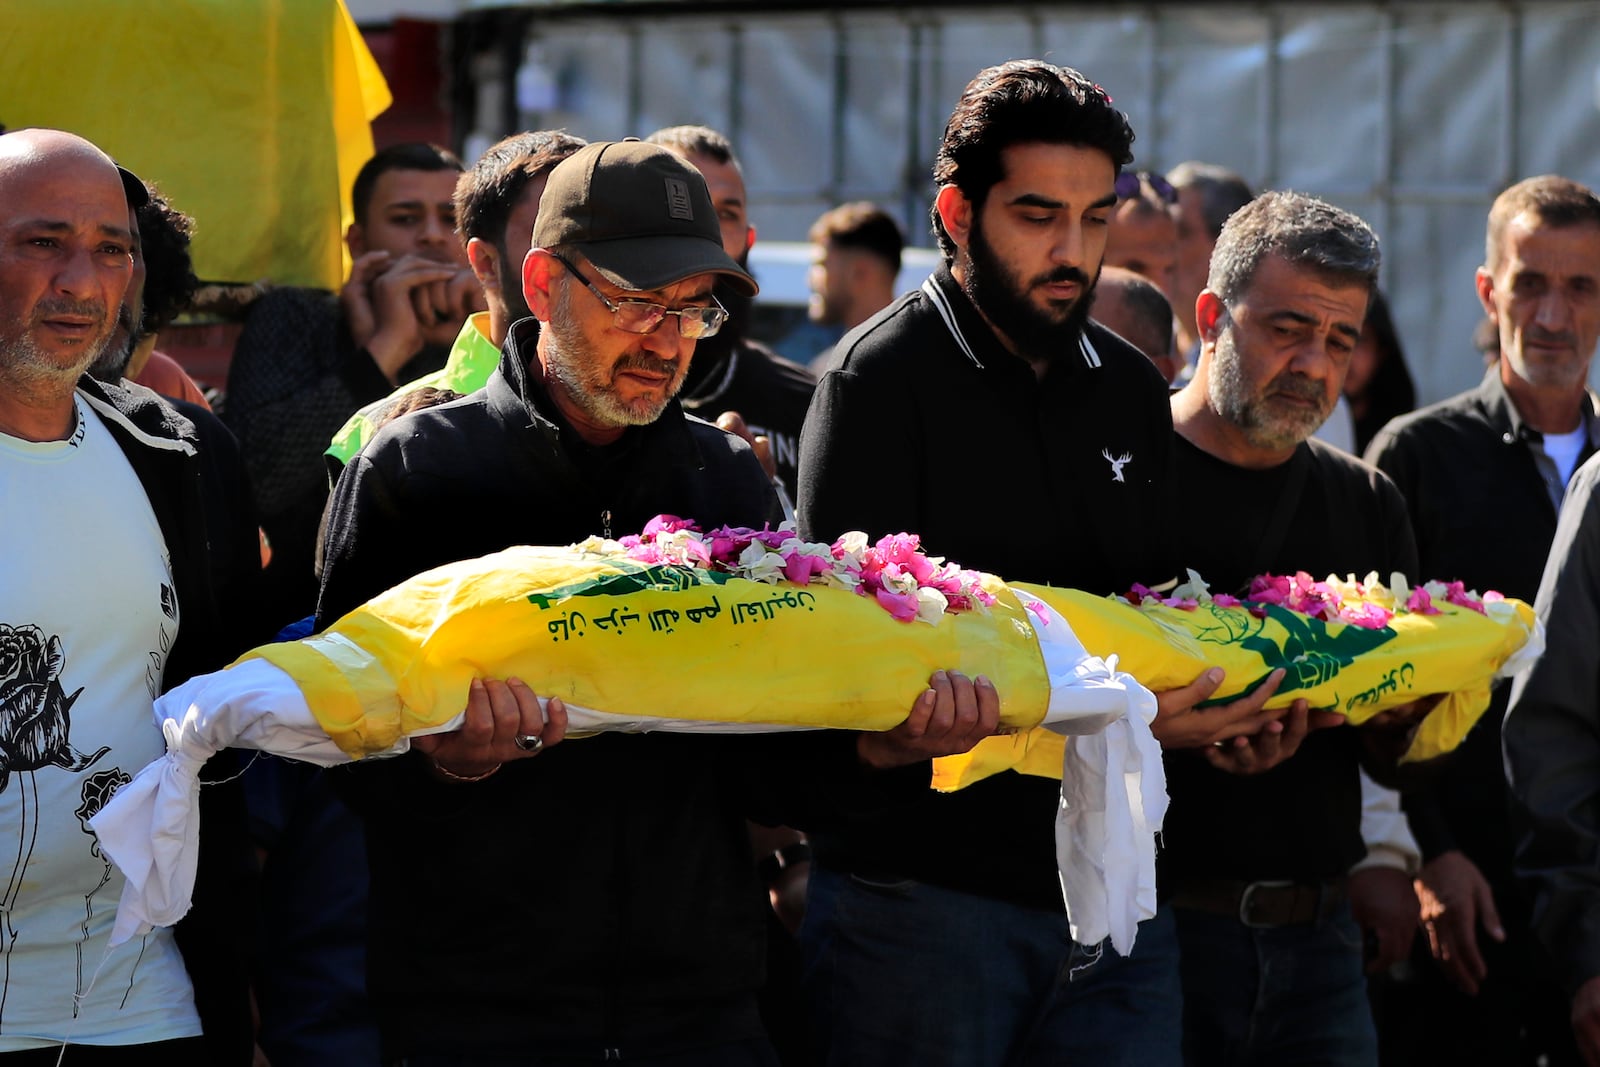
<point x="116" y="537"/>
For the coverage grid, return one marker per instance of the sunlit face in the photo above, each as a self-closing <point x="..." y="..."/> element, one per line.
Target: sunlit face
<point x="66" y="260"/>
<point x="728" y="197"/>
<point x="1277" y="358"/>
<point x="1029" y="257"/>
<point x="412" y="212"/>
<point x="609" y="378"/>
<point x="829" y="282"/>
<point x="1544" y="298"/>
<point x="514" y="246"/>
<point x="1195" y="244"/>
<point x="1145" y="242"/>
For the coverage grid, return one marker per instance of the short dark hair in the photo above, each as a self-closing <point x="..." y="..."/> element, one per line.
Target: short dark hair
<point x="488" y="193"/>
<point x="169" y="278"/>
<point x="409" y="155"/>
<point x="864" y="225"/>
<point x="696" y="141"/>
<point x="1222" y="191"/>
<point x="1555" y="201"/>
<point x="1151" y="306"/>
<point x="1305" y="231"/>
<point x="1025" y="101"/>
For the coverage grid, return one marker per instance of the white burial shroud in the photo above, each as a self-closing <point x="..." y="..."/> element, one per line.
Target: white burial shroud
<point x="1113" y="791"/>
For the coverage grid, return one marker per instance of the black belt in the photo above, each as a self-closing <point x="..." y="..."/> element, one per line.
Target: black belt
<point x="1262" y="904"/>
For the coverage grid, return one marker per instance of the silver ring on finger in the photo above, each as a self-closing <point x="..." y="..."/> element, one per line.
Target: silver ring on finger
<point x="528" y="742"/>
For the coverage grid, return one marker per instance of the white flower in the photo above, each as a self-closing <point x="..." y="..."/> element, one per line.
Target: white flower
<point x="931" y="605"/>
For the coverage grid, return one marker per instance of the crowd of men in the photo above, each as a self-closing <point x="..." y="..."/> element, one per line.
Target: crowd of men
<point x="554" y="343"/>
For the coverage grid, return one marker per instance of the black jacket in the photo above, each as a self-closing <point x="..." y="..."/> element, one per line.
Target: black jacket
<point x="928" y="425"/>
<point x="1479" y="489"/>
<point x="602" y="897"/>
<point x="189" y="466"/>
<point x="1552" y="745"/>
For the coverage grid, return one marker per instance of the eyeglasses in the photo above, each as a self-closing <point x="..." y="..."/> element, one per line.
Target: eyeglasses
<point x="641" y="316"/>
<point x="1129" y="184"/>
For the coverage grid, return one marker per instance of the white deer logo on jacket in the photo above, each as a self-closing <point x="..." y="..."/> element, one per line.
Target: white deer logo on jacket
<point x="1117" y="463"/>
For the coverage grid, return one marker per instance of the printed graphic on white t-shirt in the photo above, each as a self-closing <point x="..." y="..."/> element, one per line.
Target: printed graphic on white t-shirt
<point x="88" y="614"/>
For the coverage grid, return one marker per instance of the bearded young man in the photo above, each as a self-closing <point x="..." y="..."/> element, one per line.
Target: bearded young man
<point x="595" y="900"/>
<point x="987" y="414"/>
<point x="1255" y="858"/>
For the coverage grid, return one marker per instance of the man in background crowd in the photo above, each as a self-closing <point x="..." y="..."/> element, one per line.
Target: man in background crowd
<point x="855" y="259"/>
<point x="307" y="359"/>
<point x="1485" y="473"/>
<point x="731" y="372"/>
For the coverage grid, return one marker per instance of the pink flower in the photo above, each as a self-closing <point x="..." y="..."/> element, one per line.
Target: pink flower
<point x="1038" y="609"/>
<point x="728" y="542"/>
<point x="1420" y="602"/>
<point x="898" y="548"/>
<point x="798" y="567"/>
<point x="1269" y="589"/>
<point x="646" y="553"/>
<point x="1223" y="600"/>
<point x="1139" y="594"/>
<point x="1363" y="614"/>
<point x="902" y="606"/>
<point x="668" y="524"/>
<point x="1181" y="603"/>
<point x="773" y="539"/>
<point x="1456" y="593"/>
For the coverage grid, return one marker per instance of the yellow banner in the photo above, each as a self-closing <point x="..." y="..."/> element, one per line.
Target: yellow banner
<point x="253" y="116"/>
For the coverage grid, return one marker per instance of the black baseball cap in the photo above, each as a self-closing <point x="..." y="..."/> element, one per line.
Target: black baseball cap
<point x="639" y="213"/>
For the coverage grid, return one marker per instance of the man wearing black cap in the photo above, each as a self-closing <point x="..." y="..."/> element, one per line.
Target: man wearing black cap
<point x="120" y="581"/>
<point x="537" y="902"/>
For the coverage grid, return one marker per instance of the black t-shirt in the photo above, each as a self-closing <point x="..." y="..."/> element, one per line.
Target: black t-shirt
<point x="1302" y="819"/>
<point x="769" y="393"/>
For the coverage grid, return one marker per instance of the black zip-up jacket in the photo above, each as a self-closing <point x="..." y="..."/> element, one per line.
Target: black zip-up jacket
<point x="928" y="425"/>
<point x="599" y="900"/>
<point x="189" y="466"/>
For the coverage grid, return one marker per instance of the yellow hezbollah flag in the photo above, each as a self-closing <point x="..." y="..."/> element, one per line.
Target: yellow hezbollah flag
<point x="253" y="116"/>
<point x="644" y="641"/>
<point x="657" y="642"/>
<point x="1355" y="670"/>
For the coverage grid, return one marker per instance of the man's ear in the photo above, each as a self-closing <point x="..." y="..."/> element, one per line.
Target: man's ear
<point x="749" y="238"/>
<point x="483" y="257"/>
<point x="539" y="270"/>
<point x="1210" y="315"/>
<point x="1483" y="281"/>
<point x="955" y="212"/>
<point x="356" y="239"/>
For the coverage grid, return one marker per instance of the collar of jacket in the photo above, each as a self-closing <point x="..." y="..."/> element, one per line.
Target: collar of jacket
<point x="1503" y="416"/>
<point x="139" y="411"/>
<point x="519" y="399"/>
<point x="976" y="338"/>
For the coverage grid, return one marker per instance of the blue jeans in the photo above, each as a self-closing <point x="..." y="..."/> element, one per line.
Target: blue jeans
<point x="910" y="973"/>
<point x="1280" y="996"/>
